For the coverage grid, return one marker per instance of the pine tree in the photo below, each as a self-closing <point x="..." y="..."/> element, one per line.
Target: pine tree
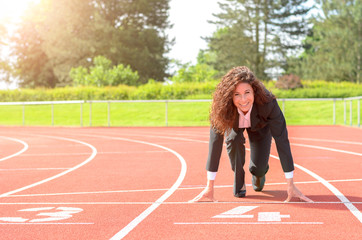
<point x="257" y="33"/>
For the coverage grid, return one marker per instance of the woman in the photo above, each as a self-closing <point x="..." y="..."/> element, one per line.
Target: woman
<point x="241" y="102"/>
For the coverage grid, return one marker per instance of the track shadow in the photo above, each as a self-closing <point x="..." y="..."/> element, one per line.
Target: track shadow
<point x="320" y="201"/>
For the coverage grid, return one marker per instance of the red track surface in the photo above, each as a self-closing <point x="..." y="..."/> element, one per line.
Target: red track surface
<point x="99" y="183"/>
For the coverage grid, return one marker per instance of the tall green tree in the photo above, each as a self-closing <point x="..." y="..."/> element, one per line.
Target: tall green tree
<point x="333" y="48"/>
<point x="71" y="33"/>
<point x="32" y="67"/>
<point x="257" y="33"/>
<point x="68" y="29"/>
<point x="52" y="37"/>
<point x="140" y="40"/>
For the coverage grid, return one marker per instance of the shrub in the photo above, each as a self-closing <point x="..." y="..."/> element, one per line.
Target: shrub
<point x="103" y="74"/>
<point x="289" y="81"/>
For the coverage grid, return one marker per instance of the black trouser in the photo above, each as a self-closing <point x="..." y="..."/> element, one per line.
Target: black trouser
<point x="259" y="154"/>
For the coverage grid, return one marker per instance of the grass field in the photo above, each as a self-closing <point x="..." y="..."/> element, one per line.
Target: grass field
<point x="154" y="114"/>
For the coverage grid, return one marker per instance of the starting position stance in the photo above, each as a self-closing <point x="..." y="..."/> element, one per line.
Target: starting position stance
<point x="241" y="103"/>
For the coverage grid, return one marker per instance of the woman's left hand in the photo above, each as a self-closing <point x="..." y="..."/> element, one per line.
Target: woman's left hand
<point x="293" y="191"/>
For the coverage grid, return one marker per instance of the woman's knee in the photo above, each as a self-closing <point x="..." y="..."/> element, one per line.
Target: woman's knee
<point x="258" y="171"/>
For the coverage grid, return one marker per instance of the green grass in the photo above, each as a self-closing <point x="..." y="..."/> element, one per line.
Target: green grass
<point x="154" y="114"/>
<point x="318" y="112"/>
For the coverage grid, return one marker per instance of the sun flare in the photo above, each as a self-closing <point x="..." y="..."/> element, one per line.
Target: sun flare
<point x="13" y="9"/>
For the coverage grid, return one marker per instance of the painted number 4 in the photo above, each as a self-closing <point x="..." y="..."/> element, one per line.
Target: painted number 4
<point x="239" y="212"/>
<point x="46" y="214"/>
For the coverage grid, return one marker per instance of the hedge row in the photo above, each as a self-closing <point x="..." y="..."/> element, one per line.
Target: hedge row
<point x="155" y="90"/>
<point x="321" y="89"/>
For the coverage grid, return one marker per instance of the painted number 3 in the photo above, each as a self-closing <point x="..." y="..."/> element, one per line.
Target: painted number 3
<point x="47" y="214"/>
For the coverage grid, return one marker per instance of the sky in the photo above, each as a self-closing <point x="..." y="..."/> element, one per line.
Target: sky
<point x="189" y="19"/>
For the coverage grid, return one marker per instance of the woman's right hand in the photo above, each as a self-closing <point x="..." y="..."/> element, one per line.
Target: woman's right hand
<point x="207" y="195"/>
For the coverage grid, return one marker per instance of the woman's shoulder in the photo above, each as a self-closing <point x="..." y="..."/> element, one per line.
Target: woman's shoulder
<point x="266" y="108"/>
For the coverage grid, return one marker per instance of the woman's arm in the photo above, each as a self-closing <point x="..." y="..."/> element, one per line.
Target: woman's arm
<point x="215" y="148"/>
<point x="278" y="129"/>
<point x="216" y="141"/>
<point x="279" y="132"/>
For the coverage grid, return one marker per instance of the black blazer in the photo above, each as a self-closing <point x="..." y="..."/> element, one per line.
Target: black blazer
<point x="263" y="118"/>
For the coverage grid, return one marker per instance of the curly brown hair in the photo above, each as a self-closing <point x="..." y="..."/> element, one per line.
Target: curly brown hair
<point x="223" y="111"/>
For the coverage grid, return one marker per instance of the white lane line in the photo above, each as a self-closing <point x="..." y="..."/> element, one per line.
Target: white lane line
<point x="328" y="149"/>
<point x="122" y="233"/>
<point x="170" y="203"/>
<point x="30" y="169"/>
<point x="296" y="144"/>
<point x="248" y="223"/>
<point x="94" y="152"/>
<point x="46" y="223"/>
<point x="77" y="154"/>
<point x="18" y="153"/>
<point x="165" y="189"/>
<point x="52" y="154"/>
<point x="326" y="140"/>
<point x="206" y="136"/>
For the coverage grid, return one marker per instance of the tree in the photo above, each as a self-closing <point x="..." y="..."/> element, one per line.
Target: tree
<point x="140" y="40"/>
<point x="257" y="33"/>
<point x="32" y="66"/>
<point x="4" y="65"/>
<point x="50" y="40"/>
<point x="68" y="30"/>
<point x="69" y="33"/>
<point x="333" y="48"/>
<point x="200" y="72"/>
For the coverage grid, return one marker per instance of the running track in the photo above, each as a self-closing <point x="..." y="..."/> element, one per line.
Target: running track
<point x="135" y="183"/>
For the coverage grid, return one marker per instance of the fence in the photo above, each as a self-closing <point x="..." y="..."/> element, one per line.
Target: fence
<point x="166" y="103"/>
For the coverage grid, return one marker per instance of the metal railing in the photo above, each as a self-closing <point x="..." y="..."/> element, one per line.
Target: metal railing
<point x="109" y="102"/>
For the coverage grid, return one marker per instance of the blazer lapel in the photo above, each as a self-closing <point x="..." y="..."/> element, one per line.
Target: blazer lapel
<point x="254" y="119"/>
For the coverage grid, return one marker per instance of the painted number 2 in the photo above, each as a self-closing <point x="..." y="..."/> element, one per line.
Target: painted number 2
<point x="47" y="214"/>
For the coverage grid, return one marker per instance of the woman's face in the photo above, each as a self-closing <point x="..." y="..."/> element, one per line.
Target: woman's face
<point x="243" y="97"/>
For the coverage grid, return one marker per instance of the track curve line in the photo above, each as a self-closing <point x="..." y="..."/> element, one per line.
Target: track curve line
<point x="94" y="153"/>
<point x="26" y="146"/>
<point x="336" y="192"/>
<point x="122" y="233"/>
